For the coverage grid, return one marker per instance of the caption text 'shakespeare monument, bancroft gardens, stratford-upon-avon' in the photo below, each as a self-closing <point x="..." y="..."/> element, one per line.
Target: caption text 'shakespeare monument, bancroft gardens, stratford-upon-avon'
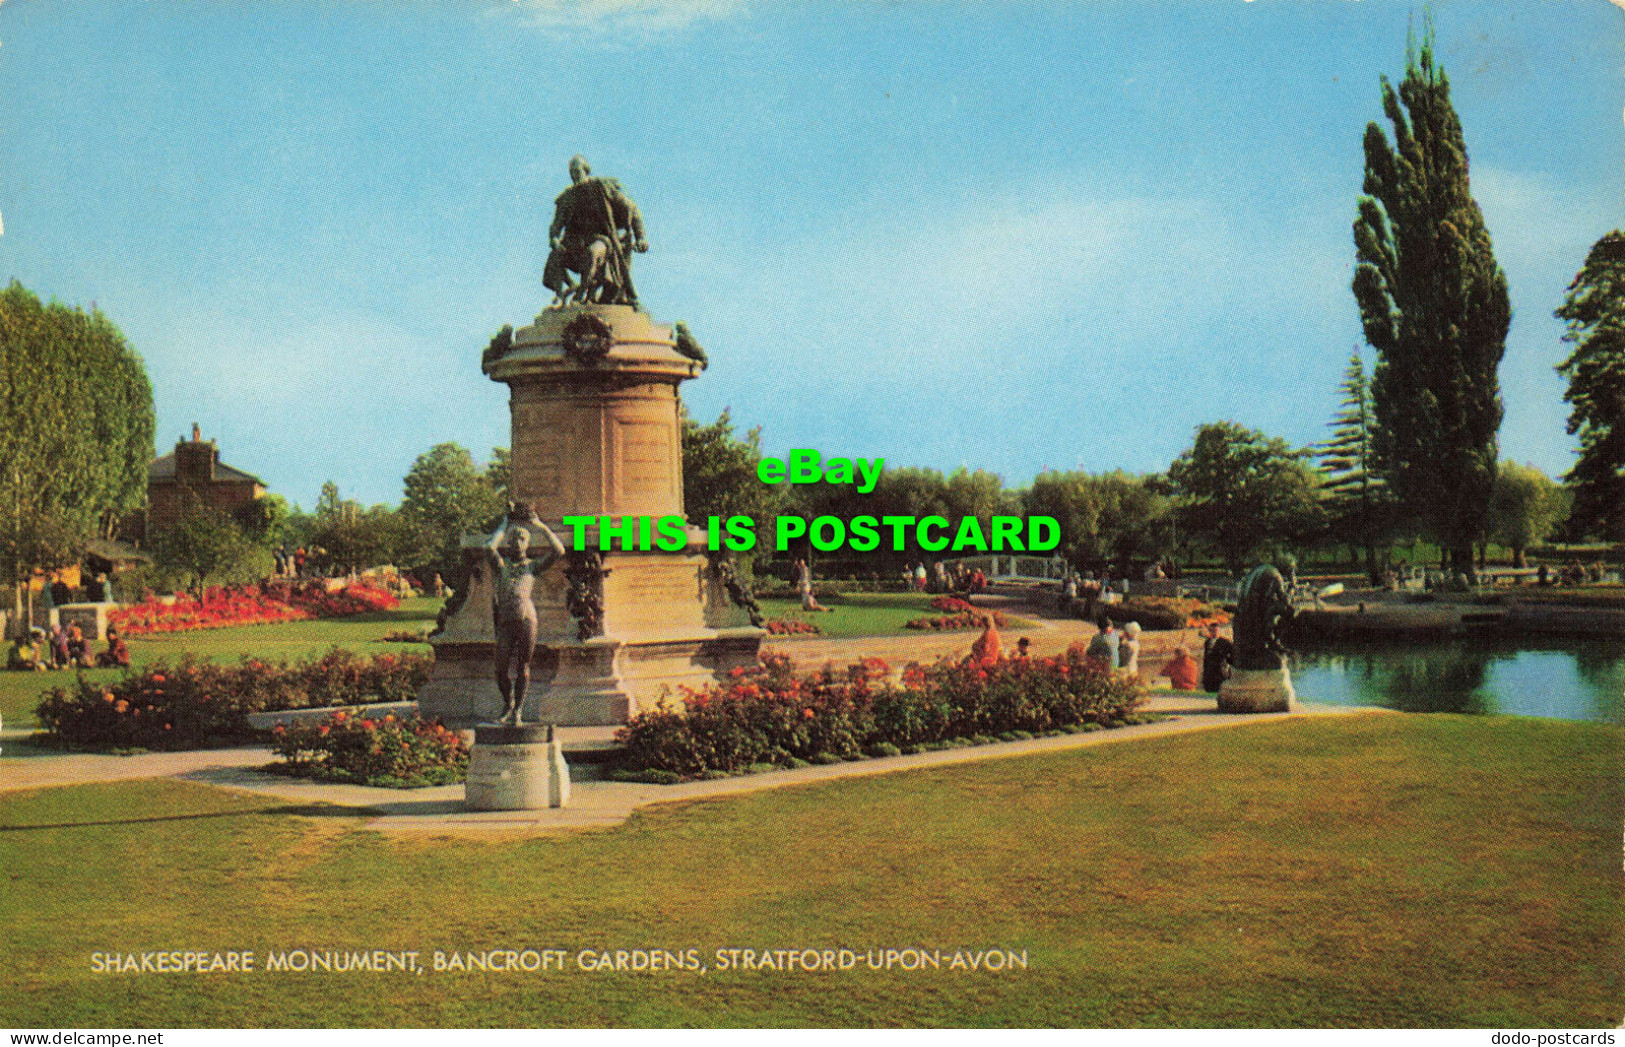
<point x="596" y="433"/>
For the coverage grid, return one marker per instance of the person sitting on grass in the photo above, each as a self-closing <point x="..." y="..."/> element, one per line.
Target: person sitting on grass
<point x="117" y="654"/>
<point x="79" y="648"/>
<point x="985" y="651"/>
<point x="24" y="656"/>
<point x="1181" y="671"/>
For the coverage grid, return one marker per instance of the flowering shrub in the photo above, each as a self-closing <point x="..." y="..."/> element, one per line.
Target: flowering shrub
<point x="790" y="627"/>
<point x="220" y="607"/>
<point x="224" y="606"/>
<point x="382" y="750"/>
<point x="770" y="715"/>
<point x="313" y="598"/>
<point x="1164" y="612"/>
<point x="972" y="619"/>
<point x="953" y="605"/>
<point x="195" y="704"/>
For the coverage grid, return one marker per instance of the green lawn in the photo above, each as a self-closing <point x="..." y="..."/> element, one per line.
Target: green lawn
<point x="862" y="614"/>
<point x="1376" y="870"/>
<point x="283" y="641"/>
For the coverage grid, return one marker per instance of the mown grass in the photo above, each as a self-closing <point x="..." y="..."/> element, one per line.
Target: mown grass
<point x="864" y="614"/>
<point x="1374" y="870"/>
<point x="281" y="641"/>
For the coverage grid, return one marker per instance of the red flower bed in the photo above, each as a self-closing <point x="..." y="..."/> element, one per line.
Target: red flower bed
<point x="952" y="604"/>
<point x="313" y="598"/>
<point x="790" y="627"/>
<point x="972" y="619"/>
<point x="225" y="606"/>
<point x="222" y="606"/>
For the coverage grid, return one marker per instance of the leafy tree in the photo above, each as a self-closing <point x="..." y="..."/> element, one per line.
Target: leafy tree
<point x="76" y="431"/>
<point x="499" y="473"/>
<point x="1354" y="495"/>
<point x="208" y="545"/>
<point x="1434" y="305"/>
<point x="264" y="520"/>
<point x="719" y="477"/>
<point x="1526" y="507"/>
<point x="1104" y="520"/>
<point x="1242" y="492"/>
<point x="446" y="496"/>
<point x="1595" y="312"/>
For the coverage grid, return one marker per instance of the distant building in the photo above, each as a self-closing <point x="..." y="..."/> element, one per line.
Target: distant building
<point x="193" y="474"/>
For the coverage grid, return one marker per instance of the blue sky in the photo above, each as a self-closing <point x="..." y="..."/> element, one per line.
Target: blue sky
<point x="1003" y="235"/>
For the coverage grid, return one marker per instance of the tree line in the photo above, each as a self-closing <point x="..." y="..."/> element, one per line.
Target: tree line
<point x="1412" y="454"/>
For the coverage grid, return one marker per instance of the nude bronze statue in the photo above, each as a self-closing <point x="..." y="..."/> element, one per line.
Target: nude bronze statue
<point x="513" y="573"/>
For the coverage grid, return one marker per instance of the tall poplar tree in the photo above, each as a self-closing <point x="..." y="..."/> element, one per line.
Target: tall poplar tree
<point x="1595" y="312"/>
<point x="76" y="428"/>
<point x="1434" y="305"/>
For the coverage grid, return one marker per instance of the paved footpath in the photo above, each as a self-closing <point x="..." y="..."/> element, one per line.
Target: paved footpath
<point x="439" y="812"/>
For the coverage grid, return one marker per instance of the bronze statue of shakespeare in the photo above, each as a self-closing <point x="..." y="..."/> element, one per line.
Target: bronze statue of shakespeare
<point x="596" y="228"/>
<point x="513" y="574"/>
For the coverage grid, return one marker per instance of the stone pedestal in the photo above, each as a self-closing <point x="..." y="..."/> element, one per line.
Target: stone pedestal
<point x="515" y="769"/>
<point x="596" y="432"/>
<point x="1257" y="691"/>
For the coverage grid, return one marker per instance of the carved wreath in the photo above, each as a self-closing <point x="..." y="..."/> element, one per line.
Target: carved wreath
<point x="588" y="339"/>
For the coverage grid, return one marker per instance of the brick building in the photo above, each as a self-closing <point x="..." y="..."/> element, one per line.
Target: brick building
<point x="193" y="473"/>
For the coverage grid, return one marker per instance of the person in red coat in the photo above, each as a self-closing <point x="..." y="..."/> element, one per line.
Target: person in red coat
<point x="985" y="651"/>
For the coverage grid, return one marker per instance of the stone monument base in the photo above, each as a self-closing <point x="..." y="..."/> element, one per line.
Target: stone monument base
<point x="601" y="682"/>
<point x="1257" y="691"/>
<point x="515" y="769"/>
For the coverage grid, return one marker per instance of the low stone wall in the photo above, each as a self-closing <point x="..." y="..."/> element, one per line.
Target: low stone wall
<point x="1568" y="620"/>
<point x="288" y="717"/>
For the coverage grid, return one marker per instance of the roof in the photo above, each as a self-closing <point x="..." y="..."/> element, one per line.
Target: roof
<point x="115" y="552"/>
<point x="163" y="470"/>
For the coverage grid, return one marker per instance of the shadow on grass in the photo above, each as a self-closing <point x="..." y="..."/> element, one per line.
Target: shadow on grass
<point x="312" y="810"/>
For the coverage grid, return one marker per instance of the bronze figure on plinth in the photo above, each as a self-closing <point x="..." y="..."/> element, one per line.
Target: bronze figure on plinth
<point x="513" y="573"/>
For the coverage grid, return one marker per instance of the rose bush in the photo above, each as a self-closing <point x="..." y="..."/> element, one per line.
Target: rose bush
<point x="196" y="704"/>
<point x="771" y="715"/>
<point x="379" y="751"/>
<point x="971" y="619"/>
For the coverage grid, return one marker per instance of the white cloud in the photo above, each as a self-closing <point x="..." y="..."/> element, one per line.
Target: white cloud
<point x="635" y="21"/>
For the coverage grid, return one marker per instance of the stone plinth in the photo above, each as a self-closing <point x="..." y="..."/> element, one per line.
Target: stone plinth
<point x="515" y="769"/>
<point x="1257" y="691"/>
<point x="596" y="432"/>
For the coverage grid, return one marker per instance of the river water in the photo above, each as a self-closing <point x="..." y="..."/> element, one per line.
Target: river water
<point x="1566" y="679"/>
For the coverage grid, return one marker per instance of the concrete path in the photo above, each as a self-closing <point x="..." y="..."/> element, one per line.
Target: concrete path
<point x="439" y="812"/>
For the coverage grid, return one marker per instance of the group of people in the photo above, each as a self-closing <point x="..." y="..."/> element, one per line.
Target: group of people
<point x="1218" y="659"/>
<point x="67" y="648"/>
<point x="290" y="563"/>
<point x="942" y="578"/>
<point x="1120" y="650"/>
<point x="97" y="589"/>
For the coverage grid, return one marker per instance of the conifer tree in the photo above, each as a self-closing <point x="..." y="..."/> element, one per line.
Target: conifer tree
<point x="1595" y="311"/>
<point x="1434" y="305"/>
<point x="1352" y="491"/>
